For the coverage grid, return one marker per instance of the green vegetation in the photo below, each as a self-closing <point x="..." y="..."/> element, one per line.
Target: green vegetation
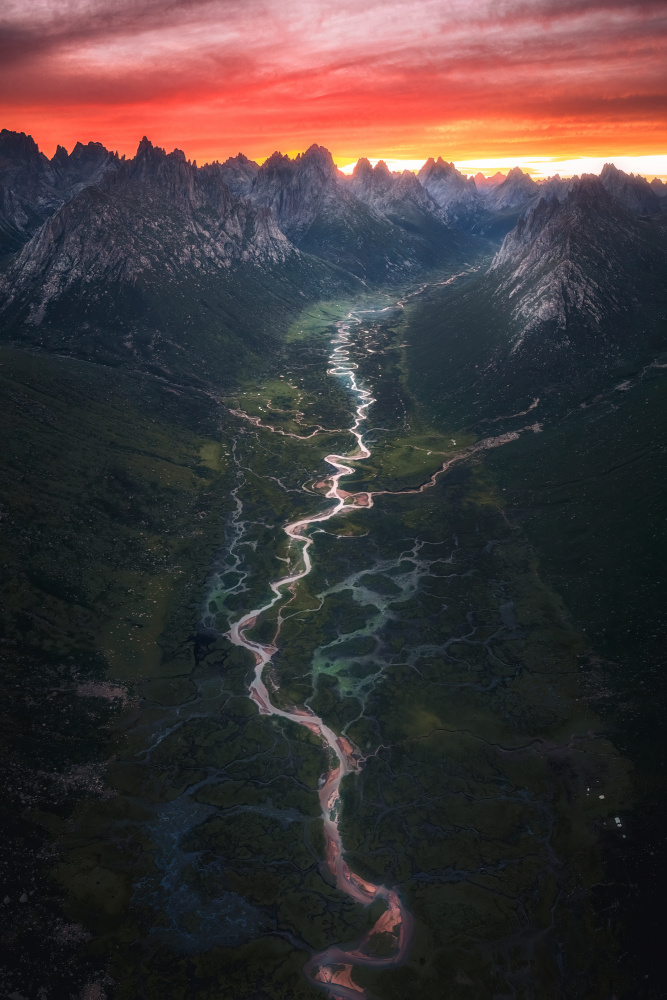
<point x="409" y="460"/>
<point x="590" y="492"/>
<point x="376" y="249"/>
<point x="316" y="324"/>
<point x="428" y="637"/>
<point x="455" y="636"/>
<point x="587" y="494"/>
<point x="113" y="490"/>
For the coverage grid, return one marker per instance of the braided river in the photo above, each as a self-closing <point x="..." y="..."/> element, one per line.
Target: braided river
<point x="331" y="970"/>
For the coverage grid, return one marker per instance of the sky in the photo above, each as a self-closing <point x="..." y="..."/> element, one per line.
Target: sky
<point x="480" y="82"/>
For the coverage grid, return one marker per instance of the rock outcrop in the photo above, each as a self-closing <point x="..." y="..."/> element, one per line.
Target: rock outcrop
<point x="632" y="191"/>
<point x="517" y="190"/>
<point x="451" y="190"/>
<point x="579" y="262"/>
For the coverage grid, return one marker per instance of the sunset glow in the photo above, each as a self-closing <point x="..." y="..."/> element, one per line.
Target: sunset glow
<point x="399" y="78"/>
<point x="541" y="167"/>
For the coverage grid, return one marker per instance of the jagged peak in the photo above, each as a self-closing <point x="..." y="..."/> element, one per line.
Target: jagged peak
<point x="146" y="148"/>
<point x="19" y="143"/>
<point x="82" y="149"/>
<point x="362" y="168"/>
<point x="588" y="183"/>
<point x="443" y="164"/>
<point x="407" y="179"/>
<point x="610" y="170"/>
<point x="481" y="180"/>
<point x="516" y="173"/>
<point x="517" y="188"/>
<point x="148" y="153"/>
<point x="438" y="167"/>
<point x="436" y="173"/>
<point x="611" y="173"/>
<point x="321" y="158"/>
<point x="317" y="152"/>
<point x="585" y="193"/>
<point x="589" y="191"/>
<point x="315" y="156"/>
<point x="276" y="159"/>
<point x="240" y="159"/>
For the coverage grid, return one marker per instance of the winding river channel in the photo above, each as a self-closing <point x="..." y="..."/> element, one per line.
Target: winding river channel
<point x="331" y="970"/>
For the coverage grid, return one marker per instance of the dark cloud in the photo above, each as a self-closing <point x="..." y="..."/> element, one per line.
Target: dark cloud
<point x="30" y="32"/>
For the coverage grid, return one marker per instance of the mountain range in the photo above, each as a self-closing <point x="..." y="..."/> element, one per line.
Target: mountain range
<point x="154" y="261"/>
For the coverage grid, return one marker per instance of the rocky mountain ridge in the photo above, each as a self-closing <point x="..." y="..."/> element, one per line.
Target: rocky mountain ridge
<point x="482" y="182"/>
<point x="451" y="190"/>
<point x="585" y="277"/>
<point x="517" y="189"/>
<point x="631" y="190"/>
<point x="375" y="224"/>
<point x="553" y="265"/>
<point x="154" y="244"/>
<point x="153" y="213"/>
<point x="389" y="192"/>
<point x="574" y="302"/>
<point x="298" y="192"/>
<point x="158" y="265"/>
<point x="32" y="187"/>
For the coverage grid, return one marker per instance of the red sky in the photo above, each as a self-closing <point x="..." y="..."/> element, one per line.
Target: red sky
<point x="395" y="78"/>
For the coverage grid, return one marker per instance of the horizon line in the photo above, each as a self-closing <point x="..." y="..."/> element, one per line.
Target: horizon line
<point x="649" y="166"/>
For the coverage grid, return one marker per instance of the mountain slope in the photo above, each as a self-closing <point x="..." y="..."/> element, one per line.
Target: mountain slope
<point x="632" y="191"/>
<point x="562" y="263"/>
<point x="374" y="225"/>
<point x="238" y="173"/>
<point x="157" y="265"/>
<point x="575" y="297"/>
<point x="33" y="187"/>
<point x="456" y="194"/>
